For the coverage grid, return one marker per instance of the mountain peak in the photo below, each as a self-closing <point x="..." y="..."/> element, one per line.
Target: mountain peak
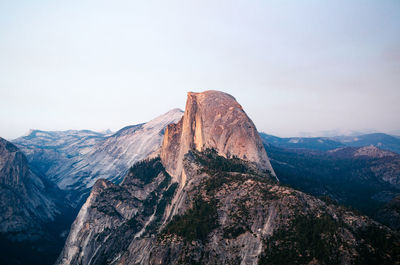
<point x="165" y="118"/>
<point x="212" y="94"/>
<point x="212" y="120"/>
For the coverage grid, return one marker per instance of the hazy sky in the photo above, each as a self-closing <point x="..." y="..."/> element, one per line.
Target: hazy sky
<point x="294" y="66"/>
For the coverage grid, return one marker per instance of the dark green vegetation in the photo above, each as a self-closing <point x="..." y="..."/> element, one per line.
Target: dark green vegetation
<point x="301" y="239"/>
<point x="356" y="182"/>
<point x="345" y="179"/>
<point x="147" y="170"/>
<point x="317" y="238"/>
<point x="239" y="221"/>
<point x="306" y="238"/>
<point x="382" y="244"/>
<point x="223" y="171"/>
<point x="196" y="223"/>
<point x="390" y="214"/>
<point x="212" y="162"/>
<point x="201" y="219"/>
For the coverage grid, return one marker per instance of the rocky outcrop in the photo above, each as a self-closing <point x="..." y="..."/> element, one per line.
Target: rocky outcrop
<point x="236" y="218"/>
<point x="212" y="120"/>
<point x="228" y="208"/>
<point x="26" y="199"/>
<point x="226" y="214"/>
<point x="114" y="215"/>
<point x="373" y="152"/>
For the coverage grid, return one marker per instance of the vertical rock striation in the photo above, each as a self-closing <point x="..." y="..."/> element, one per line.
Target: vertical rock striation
<point x="212" y="120"/>
<point x="226" y="209"/>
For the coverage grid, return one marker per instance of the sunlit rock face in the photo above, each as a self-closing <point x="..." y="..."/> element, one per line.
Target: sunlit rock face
<point x="213" y="120"/>
<point x="226" y="209"/>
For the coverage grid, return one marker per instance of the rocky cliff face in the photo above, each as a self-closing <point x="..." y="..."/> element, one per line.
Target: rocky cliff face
<point x="232" y="216"/>
<point x="212" y="120"/>
<point x="26" y="199"/>
<point x="30" y="210"/>
<point x="114" y="215"/>
<point x="227" y="209"/>
<point x="227" y="213"/>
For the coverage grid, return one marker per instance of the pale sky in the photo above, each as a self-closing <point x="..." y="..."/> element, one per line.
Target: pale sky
<point x="294" y="66"/>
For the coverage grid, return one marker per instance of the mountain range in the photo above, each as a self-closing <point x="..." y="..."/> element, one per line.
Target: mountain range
<point x="212" y="197"/>
<point x="55" y="172"/>
<point x="197" y="187"/>
<point x="380" y="140"/>
<point x="74" y="160"/>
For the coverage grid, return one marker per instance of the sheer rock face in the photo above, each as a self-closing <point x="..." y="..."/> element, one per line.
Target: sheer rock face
<point x="225" y="211"/>
<point x="225" y="218"/>
<point x="114" y="215"/>
<point x="26" y="199"/>
<point x="217" y="121"/>
<point x="102" y="211"/>
<point x="13" y="165"/>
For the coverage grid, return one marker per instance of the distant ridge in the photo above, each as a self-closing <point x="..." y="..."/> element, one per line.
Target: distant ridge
<point x="381" y="140"/>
